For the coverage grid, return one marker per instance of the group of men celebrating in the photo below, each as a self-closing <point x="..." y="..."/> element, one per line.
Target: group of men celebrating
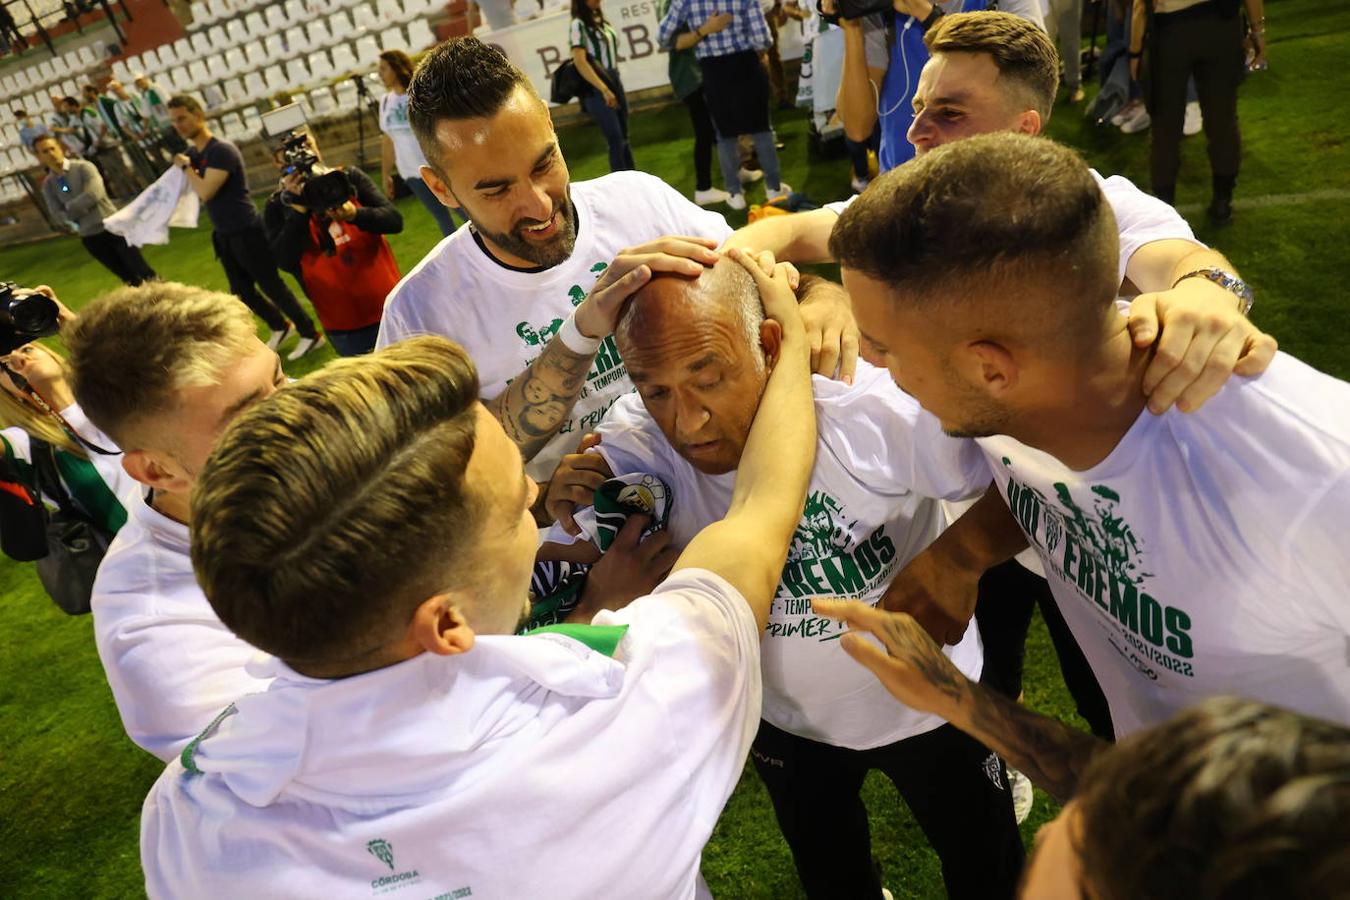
<point x="374" y="527"/>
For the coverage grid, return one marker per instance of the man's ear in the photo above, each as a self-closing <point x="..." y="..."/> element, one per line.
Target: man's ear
<point x="771" y="340"/>
<point x="988" y="367"/>
<point x="1030" y="123"/>
<point x="440" y="187"/>
<point x="156" y="470"/>
<point x="439" y="626"/>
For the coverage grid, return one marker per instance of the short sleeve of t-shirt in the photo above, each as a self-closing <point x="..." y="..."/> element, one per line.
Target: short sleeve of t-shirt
<point x="1140" y="218"/>
<point x="701" y="646"/>
<point x="576" y="36"/>
<point x="884" y="439"/>
<point x="231" y="209"/>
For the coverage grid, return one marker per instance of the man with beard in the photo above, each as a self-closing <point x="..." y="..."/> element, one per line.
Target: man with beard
<point x="519" y="275"/>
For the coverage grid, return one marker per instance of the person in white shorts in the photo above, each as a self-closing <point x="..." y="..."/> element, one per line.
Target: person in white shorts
<point x="1191" y="554"/>
<point x="410" y="744"/>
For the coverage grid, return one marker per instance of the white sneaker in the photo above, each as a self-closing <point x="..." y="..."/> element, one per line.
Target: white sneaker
<point x="1137" y="122"/>
<point x="305" y="345"/>
<point x="1023" y="797"/>
<point x="711" y="196"/>
<point x="859" y="185"/>
<point x="784" y="189"/>
<point x="1194" y="123"/>
<point x="736" y="201"/>
<point x="277" y="337"/>
<point x="1126" y="111"/>
<point x="750" y="176"/>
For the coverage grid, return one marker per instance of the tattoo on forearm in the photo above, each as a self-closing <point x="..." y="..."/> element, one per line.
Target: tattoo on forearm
<point x="540" y="399"/>
<point x="1046" y="750"/>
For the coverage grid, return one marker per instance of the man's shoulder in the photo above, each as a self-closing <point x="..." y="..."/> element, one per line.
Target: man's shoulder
<point x="143" y="575"/>
<point x="445" y="266"/>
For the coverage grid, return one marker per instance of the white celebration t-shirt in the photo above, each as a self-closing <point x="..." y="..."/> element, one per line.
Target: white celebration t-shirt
<point x="533" y="766"/>
<point x="171" y="663"/>
<point x="1206" y="554"/>
<point x="408" y="158"/>
<point x="504" y="317"/>
<point x="868" y="512"/>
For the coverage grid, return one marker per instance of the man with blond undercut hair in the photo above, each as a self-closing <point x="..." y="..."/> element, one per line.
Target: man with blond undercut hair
<point x="162" y="369"/>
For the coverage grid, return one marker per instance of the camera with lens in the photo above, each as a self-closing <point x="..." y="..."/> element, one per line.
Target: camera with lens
<point x="24" y="316"/>
<point x="323" y="188"/>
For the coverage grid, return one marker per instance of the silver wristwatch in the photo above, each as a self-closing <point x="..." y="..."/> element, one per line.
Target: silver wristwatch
<point x="1229" y="282"/>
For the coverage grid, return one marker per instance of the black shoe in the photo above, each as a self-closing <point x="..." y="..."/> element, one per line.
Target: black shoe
<point x="1221" y="210"/>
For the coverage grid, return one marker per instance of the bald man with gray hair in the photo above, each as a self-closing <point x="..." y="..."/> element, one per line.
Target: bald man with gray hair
<point x="700" y="352"/>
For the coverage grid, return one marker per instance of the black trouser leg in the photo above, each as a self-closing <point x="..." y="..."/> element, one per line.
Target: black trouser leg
<point x="1073" y="666"/>
<point x="814" y="788"/>
<point x="1007" y="598"/>
<point x="1171" y="61"/>
<point x="263" y="270"/>
<point x="241" y="282"/>
<point x="103" y="247"/>
<point x="705" y="137"/>
<point x="958" y="791"/>
<point x="135" y="263"/>
<point x="1218" y="72"/>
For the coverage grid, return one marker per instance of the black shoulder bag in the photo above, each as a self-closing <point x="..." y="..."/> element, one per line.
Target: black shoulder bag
<point x="75" y="544"/>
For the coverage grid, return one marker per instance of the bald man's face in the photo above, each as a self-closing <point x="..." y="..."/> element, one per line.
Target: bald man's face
<point x="699" y="372"/>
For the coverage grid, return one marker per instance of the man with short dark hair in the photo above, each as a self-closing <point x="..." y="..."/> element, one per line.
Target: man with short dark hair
<point x="1191" y="554"/>
<point x="74" y="193"/>
<point x="215" y="169"/>
<point x="409" y="738"/>
<point x="512" y="288"/>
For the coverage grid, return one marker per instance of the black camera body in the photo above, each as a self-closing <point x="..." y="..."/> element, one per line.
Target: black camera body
<point x="25" y="316"/>
<point x="324" y="188"/>
<point x="854" y="9"/>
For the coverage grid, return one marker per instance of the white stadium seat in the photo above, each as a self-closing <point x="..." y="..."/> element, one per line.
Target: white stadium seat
<point x="277" y="48"/>
<point x="419" y="35"/>
<point x="255" y="86"/>
<point x="257" y="55"/>
<point x="220" y="37"/>
<point x="321" y="101"/>
<point x="393" y="39"/>
<point x="298" y="73"/>
<point x="319" y="36"/>
<point x="237" y="31"/>
<point x="344" y="60"/>
<point x="256" y="27"/>
<point x="365" y="18"/>
<point x="235" y="62"/>
<point x="200" y="44"/>
<point x="276" y="17"/>
<point x="320" y="66"/>
<point x="234" y="91"/>
<point x="367" y="50"/>
<point x="277" y="81"/>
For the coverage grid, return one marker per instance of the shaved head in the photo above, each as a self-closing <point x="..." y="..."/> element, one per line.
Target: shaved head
<point x="699" y="351"/>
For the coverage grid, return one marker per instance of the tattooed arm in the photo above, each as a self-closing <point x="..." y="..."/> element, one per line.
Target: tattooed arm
<point x="538" y="401"/>
<point x="916" y="672"/>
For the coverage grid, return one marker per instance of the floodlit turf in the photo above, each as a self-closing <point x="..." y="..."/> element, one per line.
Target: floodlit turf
<point x="71" y="784"/>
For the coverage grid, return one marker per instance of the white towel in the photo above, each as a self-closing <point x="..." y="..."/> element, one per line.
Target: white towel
<point x="146" y="220"/>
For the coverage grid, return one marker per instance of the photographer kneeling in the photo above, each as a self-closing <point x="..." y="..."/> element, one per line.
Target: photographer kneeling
<point x="327" y="227"/>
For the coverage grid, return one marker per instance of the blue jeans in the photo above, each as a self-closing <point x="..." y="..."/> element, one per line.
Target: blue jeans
<point x="613" y="124"/>
<point x="354" y="343"/>
<point x="439" y="211"/>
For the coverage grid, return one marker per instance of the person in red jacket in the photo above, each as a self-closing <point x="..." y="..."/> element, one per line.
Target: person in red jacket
<point x="339" y="255"/>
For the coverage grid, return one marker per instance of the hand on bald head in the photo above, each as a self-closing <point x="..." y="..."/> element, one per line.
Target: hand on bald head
<point x="699" y="351"/>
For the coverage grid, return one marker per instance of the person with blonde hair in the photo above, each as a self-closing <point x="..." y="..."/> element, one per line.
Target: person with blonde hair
<point x="407" y="727"/>
<point x="162" y="369"/>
